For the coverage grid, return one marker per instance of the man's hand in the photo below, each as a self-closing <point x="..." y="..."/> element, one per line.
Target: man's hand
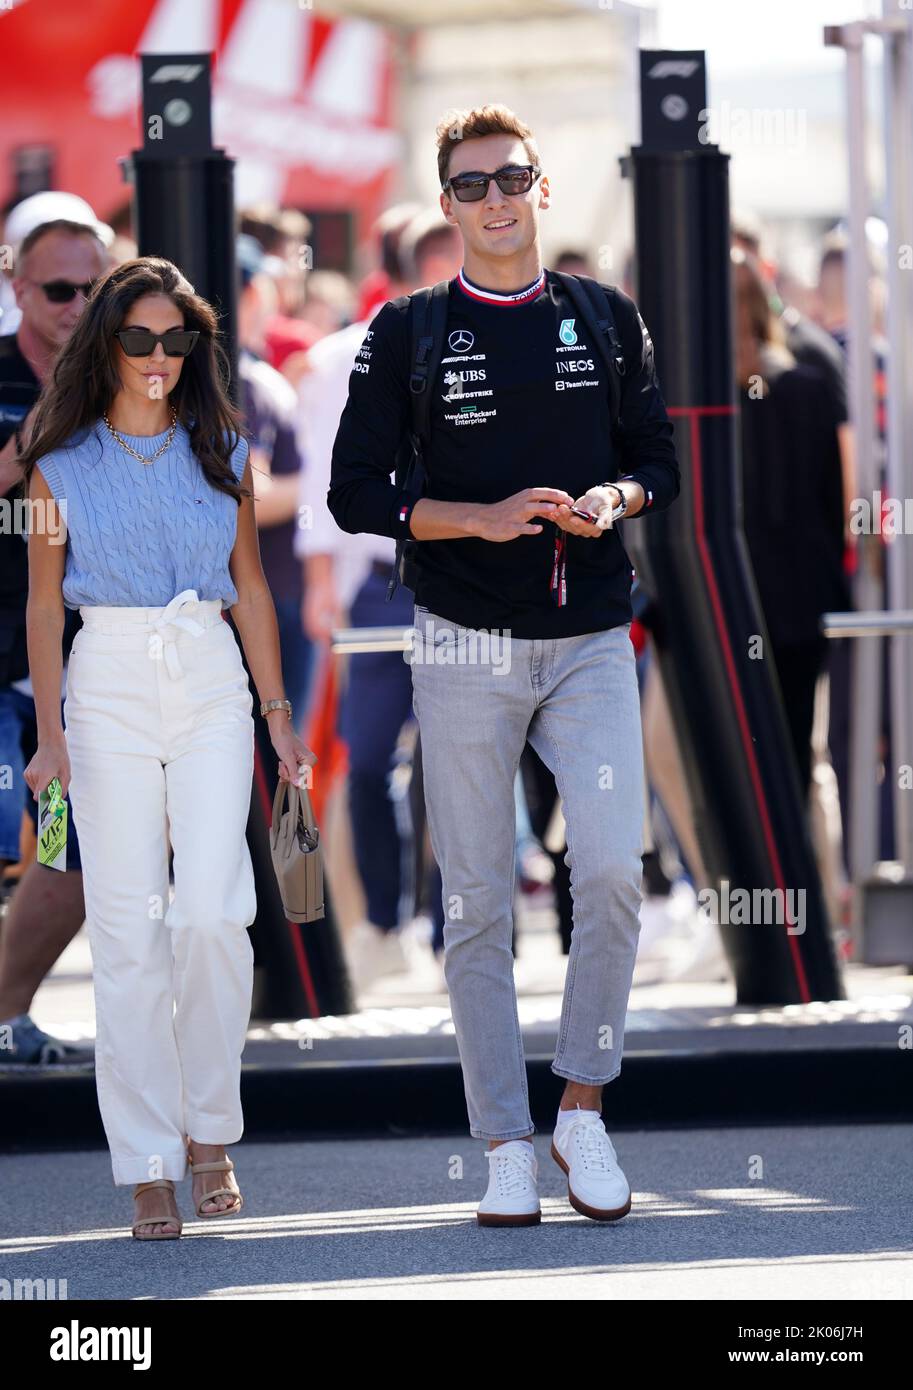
<point x="320" y="608"/>
<point x="601" y="501"/>
<point x="504" y="521"/>
<point x="10" y="469"/>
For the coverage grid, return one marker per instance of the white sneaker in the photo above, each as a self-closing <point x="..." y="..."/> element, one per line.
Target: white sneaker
<point x="512" y="1198"/>
<point x="415" y="940"/>
<point x="372" y="953"/>
<point x="701" y="958"/>
<point x="596" y="1186"/>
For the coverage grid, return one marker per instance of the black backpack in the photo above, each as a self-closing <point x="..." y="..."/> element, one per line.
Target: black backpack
<point x="428" y="319"/>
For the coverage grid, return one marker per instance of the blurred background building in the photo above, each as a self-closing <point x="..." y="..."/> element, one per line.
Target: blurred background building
<point x="331" y="113"/>
<point x="329" y="110"/>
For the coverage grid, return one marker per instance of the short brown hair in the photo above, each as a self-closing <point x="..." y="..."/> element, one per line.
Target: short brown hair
<point x="457" y="126"/>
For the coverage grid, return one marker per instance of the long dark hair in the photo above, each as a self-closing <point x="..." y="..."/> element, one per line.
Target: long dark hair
<point x="85" y="379"/>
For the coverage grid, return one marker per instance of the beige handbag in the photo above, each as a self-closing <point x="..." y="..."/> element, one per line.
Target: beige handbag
<point x="294" y="844"/>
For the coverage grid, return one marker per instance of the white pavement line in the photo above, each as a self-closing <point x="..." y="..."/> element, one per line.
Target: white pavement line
<point x="793" y="1269"/>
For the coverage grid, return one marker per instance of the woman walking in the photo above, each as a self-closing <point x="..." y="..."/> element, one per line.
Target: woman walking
<point x="137" y="445"/>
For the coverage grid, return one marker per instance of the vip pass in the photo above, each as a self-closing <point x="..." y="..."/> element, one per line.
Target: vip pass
<point x="135" y="452"/>
<point x="52" y="826"/>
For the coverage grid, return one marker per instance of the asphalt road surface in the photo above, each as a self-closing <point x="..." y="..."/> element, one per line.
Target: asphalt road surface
<point x="800" y="1213"/>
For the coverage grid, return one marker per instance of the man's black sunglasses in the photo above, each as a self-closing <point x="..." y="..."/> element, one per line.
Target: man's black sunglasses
<point x="139" y="342"/>
<point x="62" y="291"/>
<point x="510" y="178"/>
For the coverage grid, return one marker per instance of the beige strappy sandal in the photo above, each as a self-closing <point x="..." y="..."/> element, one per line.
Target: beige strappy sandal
<point x="222" y="1165"/>
<point x="154" y="1220"/>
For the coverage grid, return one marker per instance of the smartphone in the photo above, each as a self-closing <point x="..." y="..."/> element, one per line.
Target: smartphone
<point x="584" y="516"/>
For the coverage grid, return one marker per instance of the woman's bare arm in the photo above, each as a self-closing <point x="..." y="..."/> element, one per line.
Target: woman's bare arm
<point x="254" y="614"/>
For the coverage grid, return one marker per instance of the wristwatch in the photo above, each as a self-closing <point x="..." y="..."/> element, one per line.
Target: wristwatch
<point x="620" y="510"/>
<point x="267" y="705"/>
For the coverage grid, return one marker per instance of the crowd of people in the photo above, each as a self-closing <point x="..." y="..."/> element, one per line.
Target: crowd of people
<point x="282" y="502"/>
<point x="300" y="330"/>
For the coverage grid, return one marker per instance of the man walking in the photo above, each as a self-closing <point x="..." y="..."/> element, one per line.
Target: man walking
<point x="56" y="263"/>
<point x="523" y="615"/>
<point x="377" y="699"/>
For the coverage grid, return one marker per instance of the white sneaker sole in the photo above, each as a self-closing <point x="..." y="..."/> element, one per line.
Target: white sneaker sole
<point x="497" y="1218"/>
<point x="593" y="1212"/>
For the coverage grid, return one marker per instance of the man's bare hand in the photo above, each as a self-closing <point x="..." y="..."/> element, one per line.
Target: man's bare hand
<point x="320" y="609"/>
<point x="10" y="468"/>
<point x="505" y="521"/>
<point x="601" y="501"/>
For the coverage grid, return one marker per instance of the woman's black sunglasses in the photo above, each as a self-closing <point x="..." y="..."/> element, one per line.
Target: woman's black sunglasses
<point x="139" y="342"/>
<point x="511" y="179"/>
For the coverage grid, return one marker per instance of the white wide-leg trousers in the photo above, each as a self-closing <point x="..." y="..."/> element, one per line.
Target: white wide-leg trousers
<point x="160" y="735"/>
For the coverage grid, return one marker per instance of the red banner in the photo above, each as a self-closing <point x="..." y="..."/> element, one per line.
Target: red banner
<point x="301" y="103"/>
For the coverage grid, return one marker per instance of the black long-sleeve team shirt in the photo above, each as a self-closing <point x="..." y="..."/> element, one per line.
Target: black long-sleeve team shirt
<point x="532" y="411"/>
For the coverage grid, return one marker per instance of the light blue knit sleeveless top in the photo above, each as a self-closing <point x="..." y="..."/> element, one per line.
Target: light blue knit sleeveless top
<point x="139" y="533"/>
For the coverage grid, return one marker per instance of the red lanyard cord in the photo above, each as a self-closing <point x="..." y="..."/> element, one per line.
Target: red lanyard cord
<point x="558" y="586"/>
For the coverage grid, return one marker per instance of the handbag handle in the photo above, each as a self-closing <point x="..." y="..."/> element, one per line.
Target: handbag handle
<point x="299" y="805"/>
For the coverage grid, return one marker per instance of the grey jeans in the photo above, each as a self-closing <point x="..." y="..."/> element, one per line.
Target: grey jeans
<point x="478" y="697"/>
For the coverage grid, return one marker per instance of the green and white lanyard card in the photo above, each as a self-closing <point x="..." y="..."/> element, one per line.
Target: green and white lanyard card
<point x="52" y="826"/>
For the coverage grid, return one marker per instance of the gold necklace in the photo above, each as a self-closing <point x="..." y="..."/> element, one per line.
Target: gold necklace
<point x="135" y="452"/>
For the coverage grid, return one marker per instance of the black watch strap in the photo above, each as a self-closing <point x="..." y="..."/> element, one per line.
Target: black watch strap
<point x="619" y="511"/>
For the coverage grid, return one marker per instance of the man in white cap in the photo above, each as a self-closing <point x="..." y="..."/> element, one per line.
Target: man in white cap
<point x="55" y="264"/>
<point x="37" y="211"/>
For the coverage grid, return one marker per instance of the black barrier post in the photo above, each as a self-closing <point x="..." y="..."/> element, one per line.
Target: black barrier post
<point x="183" y="193"/>
<point x="693" y="559"/>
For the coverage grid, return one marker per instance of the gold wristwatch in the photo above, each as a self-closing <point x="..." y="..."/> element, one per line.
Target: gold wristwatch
<point x="267" y="705"/>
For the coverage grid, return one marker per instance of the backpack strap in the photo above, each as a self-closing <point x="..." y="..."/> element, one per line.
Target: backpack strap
<point x="428" y="322"/>
<point x="428" y="309"/>
<point x="592" y="303"/>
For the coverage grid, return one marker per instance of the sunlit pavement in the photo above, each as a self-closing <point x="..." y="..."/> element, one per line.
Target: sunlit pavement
<point x="408" y="1015"/>
<point x="693" y="1056"/>
<point x="802" y="1213"/>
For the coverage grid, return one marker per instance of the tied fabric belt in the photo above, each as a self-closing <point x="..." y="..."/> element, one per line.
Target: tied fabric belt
<point x="186" y="611"/>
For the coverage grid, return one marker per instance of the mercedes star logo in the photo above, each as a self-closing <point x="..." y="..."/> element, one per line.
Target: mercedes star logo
<point x="461" y="341"/>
